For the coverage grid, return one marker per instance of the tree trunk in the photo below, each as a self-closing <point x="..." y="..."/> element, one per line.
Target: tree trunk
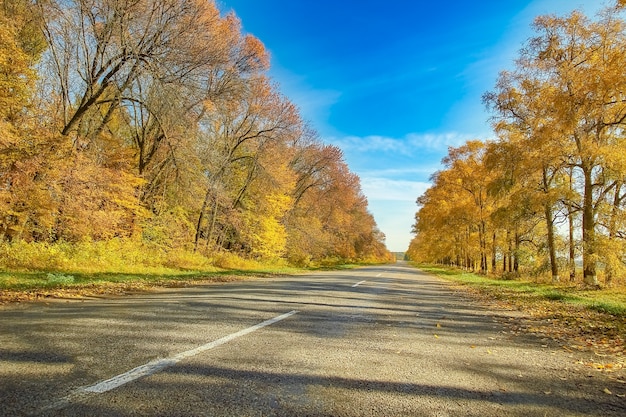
<point x="493" y="254"/>
<point x="211" y="232"/>
<point x="589" y="232"/>
<point x="516" y="253"/>
<point x="549" y="216"/>
<point x="609" y="272"/>
<point x="205" y="203"/>
<point x="572" y="248"/>
<point x="554" y="268"/>
<point x="482" y="230"/>
<point x="510" y="250"/>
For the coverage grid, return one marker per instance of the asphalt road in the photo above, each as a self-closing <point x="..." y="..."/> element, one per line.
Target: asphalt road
<point x="376" y="341"/>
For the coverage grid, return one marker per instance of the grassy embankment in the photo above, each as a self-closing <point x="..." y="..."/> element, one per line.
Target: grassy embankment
<point x="33" y="271"/>
<point x="579" y="318"/>
<point x="607" y="300"/>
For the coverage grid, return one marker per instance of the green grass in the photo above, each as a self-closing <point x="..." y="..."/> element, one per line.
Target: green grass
<point x="118" y="264"/>
<point x="42" y="267"/>
<point x="33" y="281"/>
<point x="611" y="301"/>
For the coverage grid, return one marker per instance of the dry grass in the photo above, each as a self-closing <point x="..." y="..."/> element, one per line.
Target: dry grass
<point x="588" y="323"/>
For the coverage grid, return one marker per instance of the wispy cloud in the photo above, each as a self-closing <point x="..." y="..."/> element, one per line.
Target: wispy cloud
<point x="439" y="141"/>
<point x="370" y="144"/>
<point x="408" y="145"/>
<point x="378" y="188"/>
<point x="402" y="172"/>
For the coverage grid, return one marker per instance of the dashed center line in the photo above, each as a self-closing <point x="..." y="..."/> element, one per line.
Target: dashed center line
<point x="157" y="365"/>
<point x="358" y="283"/>
<point x="152" y="367"/>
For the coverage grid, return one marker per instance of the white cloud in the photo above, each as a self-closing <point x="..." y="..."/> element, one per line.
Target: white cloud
<point x="440" y="141"/>
<point x="384" y="189"/>
<point x="408" y="145"/>
<point x="418" y="170"/>
<point x="369" y="144"/>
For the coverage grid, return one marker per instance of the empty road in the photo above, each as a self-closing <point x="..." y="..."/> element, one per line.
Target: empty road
<point x="376" y="341"/>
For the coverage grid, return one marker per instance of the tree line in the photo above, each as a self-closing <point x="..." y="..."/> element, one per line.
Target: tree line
<point x="155" y="121"/>
<point x="549" y="192"/>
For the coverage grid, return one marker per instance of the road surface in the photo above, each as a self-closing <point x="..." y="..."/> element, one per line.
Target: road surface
<point x="376" y="341"/>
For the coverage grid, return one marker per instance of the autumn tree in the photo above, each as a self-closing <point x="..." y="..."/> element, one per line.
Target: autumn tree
<point x="246" y="143"/>
<point x="527" y="130"/>
<point x="559" y="116"/>
<point x="154" y="123"/>
<point x="469" y="176"/>
<point x="582" y="62"/>
<point x="25" y="203"/>
<point x="444" y="231"/>
<point x="329" y="217"/>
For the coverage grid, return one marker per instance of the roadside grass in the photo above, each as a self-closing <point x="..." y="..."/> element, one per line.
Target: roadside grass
<point x="37" y="269"/>
<point x="30" y="271"/>
<point x="41" y="281"/>
<point x="28" y="281"/>
<point x="589" y="321"/>
<point x="18" y="286"/>
<point x="608" y="300"/>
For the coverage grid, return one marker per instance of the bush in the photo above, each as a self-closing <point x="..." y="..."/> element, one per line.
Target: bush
<point x="114" y="255"/>
<point x="228" y="260"/>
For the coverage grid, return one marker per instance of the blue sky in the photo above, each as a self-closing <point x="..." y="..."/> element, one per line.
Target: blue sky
<point x="393" y="83"/>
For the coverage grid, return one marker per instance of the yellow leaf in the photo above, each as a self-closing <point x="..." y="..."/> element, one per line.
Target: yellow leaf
<point x="607" y="391"/>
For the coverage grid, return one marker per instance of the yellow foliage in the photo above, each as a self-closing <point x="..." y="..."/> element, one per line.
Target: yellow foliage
<point x="193" y="148"/>
<point x="264" y="230"/>
<point x="228" y="260"/>
<point x="15" y="72"/>
<point x="86" y="256"/>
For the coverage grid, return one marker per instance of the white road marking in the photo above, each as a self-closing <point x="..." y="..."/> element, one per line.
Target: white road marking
<point x="157" y="365"/>
<point x="358" y="283"/>
<point x="379" y="275"/>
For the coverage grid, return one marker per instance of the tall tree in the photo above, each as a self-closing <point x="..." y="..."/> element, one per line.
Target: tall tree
<point x="573" y="64"/>
<point x="244" y="139"/>
<point x="584" y="61"/>
<point x="527" y="128"/>
<point x="25" y="151"/>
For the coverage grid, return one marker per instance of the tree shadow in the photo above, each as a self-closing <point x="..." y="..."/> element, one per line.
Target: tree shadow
<point x="91" y="335"/>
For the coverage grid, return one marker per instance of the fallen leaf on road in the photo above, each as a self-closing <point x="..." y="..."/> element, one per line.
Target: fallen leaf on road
<point x="607" y="391"/>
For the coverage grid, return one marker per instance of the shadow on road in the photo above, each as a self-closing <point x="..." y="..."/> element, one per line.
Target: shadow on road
<point x="397" y="315"/>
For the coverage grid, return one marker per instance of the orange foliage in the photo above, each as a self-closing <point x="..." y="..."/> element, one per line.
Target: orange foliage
<point x="170" y="133"/>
